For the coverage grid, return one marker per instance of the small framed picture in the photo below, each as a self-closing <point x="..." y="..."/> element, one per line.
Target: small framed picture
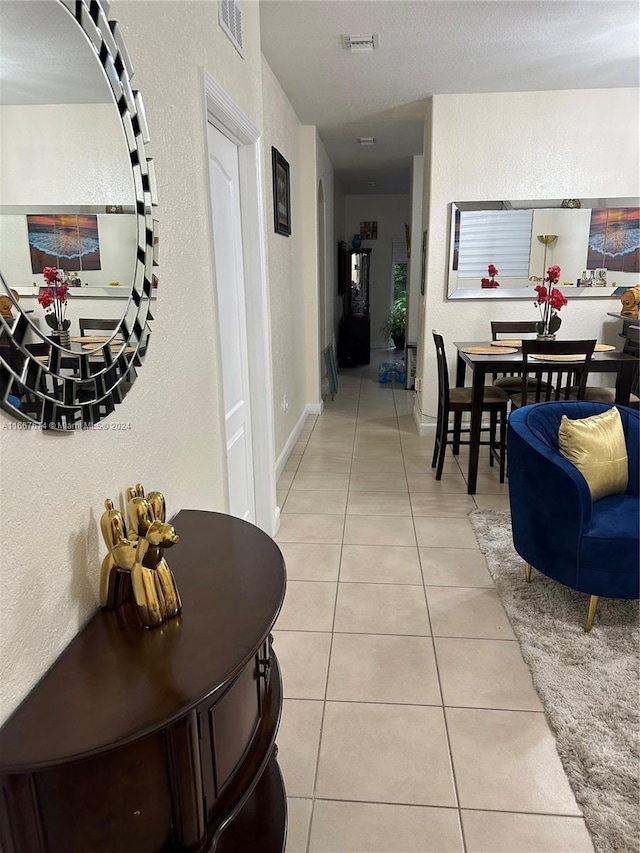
<point x="369" y="230"/>
<point x="281" y="193"/>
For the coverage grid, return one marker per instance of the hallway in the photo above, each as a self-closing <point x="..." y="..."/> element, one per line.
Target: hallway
<point x="410" y="722"/>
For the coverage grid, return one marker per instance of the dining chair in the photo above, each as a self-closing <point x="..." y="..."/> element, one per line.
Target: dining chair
<point x="458" y="400"/>
<point x="604" y="394"/>
<point x="97" y="324"/>
<point x="511" y="381"/>
<point x="564" y="379"/>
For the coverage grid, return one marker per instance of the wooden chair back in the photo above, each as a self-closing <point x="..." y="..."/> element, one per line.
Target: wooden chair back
<point x="98" y="324"/>
<point x="561" y="381"/>
<point x="512" y="327"/>
<point x="443" y="372"/>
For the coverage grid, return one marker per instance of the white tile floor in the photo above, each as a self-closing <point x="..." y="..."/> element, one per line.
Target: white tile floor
<point x="410" y="722"/>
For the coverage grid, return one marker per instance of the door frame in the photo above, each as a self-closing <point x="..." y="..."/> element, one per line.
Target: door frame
<point x="221" y="111"/>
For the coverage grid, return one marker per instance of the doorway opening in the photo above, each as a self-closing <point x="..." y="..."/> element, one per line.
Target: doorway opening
<point x="225" y="115"/>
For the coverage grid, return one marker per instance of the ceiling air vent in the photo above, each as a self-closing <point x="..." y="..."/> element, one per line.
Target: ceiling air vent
<point x="360" y="44"/>
<point x="230" y="19"/>
<point x="366" y="140"/>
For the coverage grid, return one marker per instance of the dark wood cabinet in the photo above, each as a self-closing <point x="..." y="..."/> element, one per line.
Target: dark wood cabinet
<point x="354" y="330"/>
<point x="159" y="740"/>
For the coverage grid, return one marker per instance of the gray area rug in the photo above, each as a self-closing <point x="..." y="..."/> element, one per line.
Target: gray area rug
<point x="588" y="683"/>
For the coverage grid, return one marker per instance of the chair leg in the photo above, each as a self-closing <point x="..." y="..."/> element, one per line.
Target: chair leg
<point x="442" y="447"/>
<point x="457" y="428"/>
<point x="503" y="444"/>
<point x="593" y="603"/>
<point x="492" y="435"/>
<point x="436" y="444"/>
<point x="527" y="573"/>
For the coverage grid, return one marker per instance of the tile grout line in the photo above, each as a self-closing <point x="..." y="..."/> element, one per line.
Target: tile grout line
<point x="441" y="692"/>
<point x="326" y="684"/>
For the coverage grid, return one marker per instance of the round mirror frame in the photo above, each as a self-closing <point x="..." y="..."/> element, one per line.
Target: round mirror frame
<point x="101" y="378"/>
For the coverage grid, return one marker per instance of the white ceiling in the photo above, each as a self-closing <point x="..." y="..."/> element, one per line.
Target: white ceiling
<point x="432" y="47"/>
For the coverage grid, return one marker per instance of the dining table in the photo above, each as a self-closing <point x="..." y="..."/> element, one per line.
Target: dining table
<point x="508" y="359"/>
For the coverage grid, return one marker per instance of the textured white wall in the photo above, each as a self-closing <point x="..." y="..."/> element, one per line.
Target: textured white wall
<point x="415" y="261"/>
<point x="325" y="174"/>
<point x="85" y="141"/>
<point x="339" y="232"/>
<point x="391" y="212"/>
<point x="528" y="145"/>
<point x="308" y="273"/>
<point x="53" y="486"/>
<point x="285" y="261"/>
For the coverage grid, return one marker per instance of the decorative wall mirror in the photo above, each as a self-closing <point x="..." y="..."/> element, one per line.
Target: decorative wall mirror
<point x="76" y="193"/>
<point x="523" y="238"/>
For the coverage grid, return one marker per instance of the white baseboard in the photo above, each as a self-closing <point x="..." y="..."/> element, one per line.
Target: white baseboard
<point x="309" y="409"/>
<point x="425" y="424"/>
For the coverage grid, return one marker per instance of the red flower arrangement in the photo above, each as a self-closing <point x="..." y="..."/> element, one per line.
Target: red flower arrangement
<point x="54" y="300"/>
<point x="550" y="300"/>
<point x="490" y="282"/>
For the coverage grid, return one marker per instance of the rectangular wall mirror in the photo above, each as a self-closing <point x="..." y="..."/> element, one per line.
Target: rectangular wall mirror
<point x="596" y="245"/>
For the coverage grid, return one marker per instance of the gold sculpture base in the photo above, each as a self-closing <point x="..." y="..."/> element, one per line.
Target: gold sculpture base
<point x="631" y="302"/>
<point x="135" y="563"/>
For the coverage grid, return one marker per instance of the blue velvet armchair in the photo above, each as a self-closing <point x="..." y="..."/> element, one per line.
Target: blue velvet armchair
<point x="590" y="546"/>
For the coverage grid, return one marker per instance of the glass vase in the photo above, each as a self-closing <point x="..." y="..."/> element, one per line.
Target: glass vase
<point x="62" y="338"/>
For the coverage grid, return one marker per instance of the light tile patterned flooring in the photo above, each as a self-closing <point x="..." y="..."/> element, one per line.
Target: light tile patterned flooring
<point x="410" y="722"/>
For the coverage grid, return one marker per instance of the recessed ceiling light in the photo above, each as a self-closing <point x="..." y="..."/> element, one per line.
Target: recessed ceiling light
<point x="360" y="44"/>
<point x="366" y="140"/>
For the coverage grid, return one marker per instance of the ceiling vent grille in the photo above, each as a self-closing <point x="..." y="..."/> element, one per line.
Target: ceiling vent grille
<point x="360" y="44"/>
<point x="366" y="140"/>
<point x="230" y="19"/>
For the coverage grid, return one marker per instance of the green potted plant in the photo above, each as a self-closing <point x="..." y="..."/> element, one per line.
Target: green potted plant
<point x="396" y="322"/>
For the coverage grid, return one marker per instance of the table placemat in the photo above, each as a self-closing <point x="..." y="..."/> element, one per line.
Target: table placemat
<point x="117" y="345"/>
<point x="549" y="357"/>
<point x="506" y="343"/>
<point x="604" y="348"/>
<point x="488" y="350"/>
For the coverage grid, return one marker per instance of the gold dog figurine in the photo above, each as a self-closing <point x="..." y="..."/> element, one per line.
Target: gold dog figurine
<point x="134" y="561"/>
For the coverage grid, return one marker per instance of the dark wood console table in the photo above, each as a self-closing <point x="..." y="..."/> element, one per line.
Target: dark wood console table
<point x="159" y="740"/>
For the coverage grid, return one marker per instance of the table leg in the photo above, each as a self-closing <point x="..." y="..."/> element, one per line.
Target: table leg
<point x="476" y="423"/>
<point x="461" y="368"/>
<point x="624" y="382"/>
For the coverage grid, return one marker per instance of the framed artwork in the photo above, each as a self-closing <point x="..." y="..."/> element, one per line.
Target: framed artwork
<point x="67" y="241"/>
<point x="614" y="239"/>
<point x="369" y="230"/>
<point x="423" y="268"/>
<point x="281" y="193"/>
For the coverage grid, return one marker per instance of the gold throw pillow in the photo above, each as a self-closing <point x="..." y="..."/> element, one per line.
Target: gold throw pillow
<point x="597" y="448"/>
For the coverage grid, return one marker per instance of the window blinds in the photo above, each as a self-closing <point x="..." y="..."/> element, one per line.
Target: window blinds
<point x="497" y="237"/>
<point x="399" y="252"/>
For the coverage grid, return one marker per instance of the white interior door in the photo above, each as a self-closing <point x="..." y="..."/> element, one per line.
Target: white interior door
<point x="224" y="177"/>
